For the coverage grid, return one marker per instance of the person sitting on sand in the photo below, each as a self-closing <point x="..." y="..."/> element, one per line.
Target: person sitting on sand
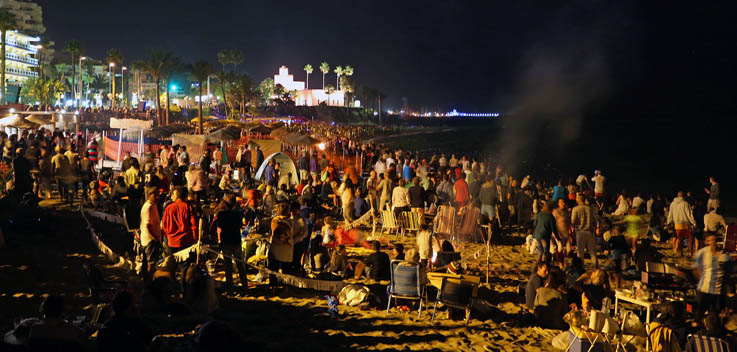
<point x="551" y="303"/>
<point x="124" y="331"/>
<point x="412" y="258"/>
<point x="536" y="281"/>
<point x="399" y="251"/>
<point x="595" y="286"/>
<point x="378" y="263"/>
<point x="53" y="327"/>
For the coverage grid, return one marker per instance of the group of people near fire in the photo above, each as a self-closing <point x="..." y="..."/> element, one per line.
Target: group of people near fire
<point x="175" y="199"/>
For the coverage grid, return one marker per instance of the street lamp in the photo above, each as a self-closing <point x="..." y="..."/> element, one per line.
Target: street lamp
<point x="122" y="82"/>
<point x="208" y="88"/>
<point x="79" y="91"/>
<point x="111" y="74"/>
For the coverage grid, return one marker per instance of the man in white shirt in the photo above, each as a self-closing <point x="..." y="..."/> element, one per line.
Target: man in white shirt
<point x="400" y="198"/>
<point x="150" y="234"/>
<point x="598" y="184"/>
<point x="637" y="202"/>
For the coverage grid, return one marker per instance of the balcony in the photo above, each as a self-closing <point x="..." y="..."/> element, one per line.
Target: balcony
<point x="16" y="44"/>
<point x="19" y="58"/>
<point x="18" y="72"/>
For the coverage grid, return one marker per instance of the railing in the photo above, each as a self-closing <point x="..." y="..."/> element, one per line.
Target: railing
<point x="16" y="44"/>
<point x="17" y="57"/>
<point x="16" y="71"/>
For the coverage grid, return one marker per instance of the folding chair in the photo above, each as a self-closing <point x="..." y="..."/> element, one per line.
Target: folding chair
<point x="700" y="343"/>
<point x="455" y="293"/>
<point x="444" y="222"/>
<point x="388" y="221"/>
<point x="97" y="283"/>
<point x="410" y="221"/>
<point x="469" y="222"/>
<point x="730" y="238"/>
<point x="405" y="284"/>
<point x="660" y="338"/>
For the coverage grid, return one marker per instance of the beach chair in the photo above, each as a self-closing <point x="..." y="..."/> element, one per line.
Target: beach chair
<point x="410" y="221"/>
<point x="97" y="283"/>
<point x="469" y="223"/>
<point x="388" y="221"/>
<point x="406" y="284"/>
<point x="730" y="238"/>
<point x="455" y="293"/>
<point x="444" y="222"/>
<point x="700" y="343"/>
<point x="661" y="338"/>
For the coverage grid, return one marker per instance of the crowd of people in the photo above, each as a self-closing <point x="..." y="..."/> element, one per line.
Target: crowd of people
<point x="175" y="201"/>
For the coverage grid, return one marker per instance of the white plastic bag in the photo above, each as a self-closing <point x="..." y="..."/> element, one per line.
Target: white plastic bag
<point x="353" y="295"/>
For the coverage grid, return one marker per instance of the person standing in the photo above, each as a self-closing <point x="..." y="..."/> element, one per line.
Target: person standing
<point x="150" y="234"/>
<point x="228" y="221"/>
<point x="400" y="198"/>
<point x="385" y="190"/>
<point x="545" y="229"/>
<point x="709" y="265"/>
<point x="417" y="198"/>
<point x="460" y="188"/>
<point x="583" y="219"/>
<point x="303" y="163"/>
<point x="713" y="193"/>
<point x="178" y="222"/>
<point x="681" y="215"/>
<point x="93" y="150"/>
<point x="598" y="180"/>
<point x="563" y="223"/>
<point x="61" y="171"/>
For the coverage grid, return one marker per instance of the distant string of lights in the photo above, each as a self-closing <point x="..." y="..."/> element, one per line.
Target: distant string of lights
<point x="453" y="113"/>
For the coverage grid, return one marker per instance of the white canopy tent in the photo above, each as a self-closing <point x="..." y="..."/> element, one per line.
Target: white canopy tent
<point x="285" y="165"/>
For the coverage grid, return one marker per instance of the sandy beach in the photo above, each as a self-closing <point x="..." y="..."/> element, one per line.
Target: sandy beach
<point x="287" y="318"/>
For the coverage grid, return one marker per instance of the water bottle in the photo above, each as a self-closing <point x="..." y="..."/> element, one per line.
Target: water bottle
<point x="605" y="305"/>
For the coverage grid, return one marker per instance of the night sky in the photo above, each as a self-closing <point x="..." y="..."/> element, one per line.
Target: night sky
<point x="636" y="57"/>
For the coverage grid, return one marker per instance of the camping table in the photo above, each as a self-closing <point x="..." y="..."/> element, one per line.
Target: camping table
<point x="648" y="305"/>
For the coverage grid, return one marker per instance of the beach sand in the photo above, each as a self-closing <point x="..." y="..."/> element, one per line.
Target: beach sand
<point x="286" y="318"/>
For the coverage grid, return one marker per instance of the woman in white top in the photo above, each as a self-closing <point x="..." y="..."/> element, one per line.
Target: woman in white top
<point x="623" y="205"/>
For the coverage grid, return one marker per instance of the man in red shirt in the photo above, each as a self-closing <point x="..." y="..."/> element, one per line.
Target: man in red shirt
<point x="461" y="189"/>
<point x="178" y="223"/>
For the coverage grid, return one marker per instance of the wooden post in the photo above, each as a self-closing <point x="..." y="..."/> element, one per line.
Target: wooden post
<point x="120" y="145"/>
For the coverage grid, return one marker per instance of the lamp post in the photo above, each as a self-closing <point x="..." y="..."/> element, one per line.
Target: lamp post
<point x="78" y="95"/>
<point x="111" y="73"/>
<point x="208" y="88"/>
<point x="122" y="84"/>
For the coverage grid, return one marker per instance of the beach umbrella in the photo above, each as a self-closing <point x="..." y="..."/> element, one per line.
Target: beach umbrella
<point x="168" y="130"/>
<point x="41" y="119"/>
<point x="226" y="133"/>
<point x="260" y="129"/>
<point x="16" y="121"/>
<point x="204" y="118"/>
<point x="279" y="133"/>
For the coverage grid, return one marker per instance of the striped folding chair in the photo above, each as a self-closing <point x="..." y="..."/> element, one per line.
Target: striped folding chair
<point x="469" y="222"/>
<point x="405" y="284"/>
<point x="445" y="219"/>
<point x="410" y="221"/>
<point x="730" y="238"/>
<point x="701" y="343"/>
<point x="388" y="221"/>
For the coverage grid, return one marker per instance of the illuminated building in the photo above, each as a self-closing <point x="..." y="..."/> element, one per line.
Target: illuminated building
<point x="307" y="97"/>
<point x="28" y="15"/>
<point x="20" y="57"/>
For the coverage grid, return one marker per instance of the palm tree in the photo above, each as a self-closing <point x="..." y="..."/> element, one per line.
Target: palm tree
<point x="74" y="49"/>
<point x="154" y="66"/>
<point x="200" y="71"/>
<point x="7" y="23"/>
<point x="171" y="65"/>
<point x="338" y="71"/>
<point x="114" y="56"/>
<point x="325" y="68"/>
<point x="308" y="69"/>
<point x="236" y="58"/>
<point x="348" y="70"/>
<point x="224" y="58"/>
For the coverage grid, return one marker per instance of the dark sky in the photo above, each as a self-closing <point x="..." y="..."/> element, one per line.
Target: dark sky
<point x="646" y="57"/>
